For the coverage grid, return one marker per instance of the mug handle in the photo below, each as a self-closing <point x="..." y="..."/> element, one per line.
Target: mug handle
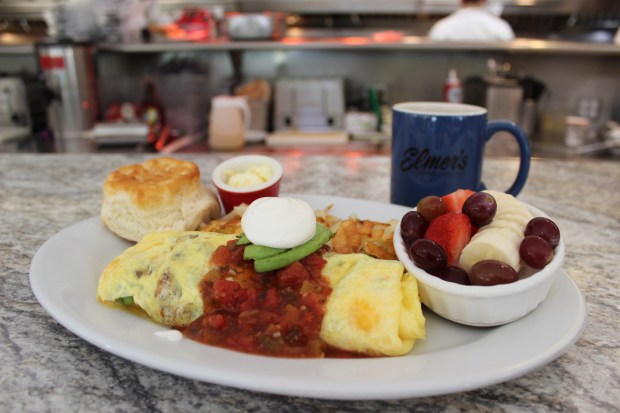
<point x="524" y="147"/>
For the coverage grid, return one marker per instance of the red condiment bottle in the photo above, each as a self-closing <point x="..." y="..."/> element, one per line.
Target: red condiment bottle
<point x="453" y="88"/>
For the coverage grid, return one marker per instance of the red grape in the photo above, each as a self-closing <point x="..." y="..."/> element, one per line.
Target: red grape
<point x="545" y="229"/>
<point x="412" y="226"/>
<point x="535" y="251"/>
<point x="430" y="207"/>
<point x="480" y="208"/>
<point x="454" y="274"/>
<point x="492" y="272"/>
<point x="428" y="255"/>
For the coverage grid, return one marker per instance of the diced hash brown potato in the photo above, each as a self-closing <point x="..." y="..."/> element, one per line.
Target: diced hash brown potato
<point x="369" y="237"/>
<point x="231" y="226"/>
<point x="228" y="224"/>
<point x="324" y="218"/>
<point x="380" y="248"/>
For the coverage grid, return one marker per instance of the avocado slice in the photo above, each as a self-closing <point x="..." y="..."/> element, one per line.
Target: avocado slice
<point x="288" y="257"/>
<point x="242" y="240"/>
<point x="257" y="252"/>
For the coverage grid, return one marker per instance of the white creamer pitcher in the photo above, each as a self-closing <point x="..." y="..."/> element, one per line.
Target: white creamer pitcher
<point x="229" y="119"/>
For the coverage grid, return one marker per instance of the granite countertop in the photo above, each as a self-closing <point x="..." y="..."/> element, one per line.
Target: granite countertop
<point x="45" y="367"/>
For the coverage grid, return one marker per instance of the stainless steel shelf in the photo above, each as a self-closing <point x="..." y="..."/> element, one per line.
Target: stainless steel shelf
<point x="522" y="46"/>
<point x="34" y="8"/>
<point x="405" y="6"/>
<point x="17" y="50"/>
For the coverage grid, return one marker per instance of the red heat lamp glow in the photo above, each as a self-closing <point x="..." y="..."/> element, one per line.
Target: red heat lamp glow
<point x="355" y="40"/>
<point x="293" y="40"/>
<point x="353" y="154"/>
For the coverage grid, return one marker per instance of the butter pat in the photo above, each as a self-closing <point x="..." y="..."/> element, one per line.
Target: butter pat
<point x="244" y="180"/>
<point x="252" y="176"/>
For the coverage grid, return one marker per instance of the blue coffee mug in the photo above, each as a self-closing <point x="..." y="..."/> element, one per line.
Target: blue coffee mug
<point x="438" y="148"/>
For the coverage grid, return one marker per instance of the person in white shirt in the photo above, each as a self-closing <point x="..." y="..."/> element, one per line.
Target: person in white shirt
<point x="471" y="22"/>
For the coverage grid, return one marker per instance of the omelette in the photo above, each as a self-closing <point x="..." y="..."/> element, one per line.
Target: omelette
<point x="373" y="307"/>
<point x="161" y="273"/>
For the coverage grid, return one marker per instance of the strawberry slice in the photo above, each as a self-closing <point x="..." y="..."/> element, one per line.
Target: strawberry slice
<point x="455" y="200"/>
<point x="452" y="231"/>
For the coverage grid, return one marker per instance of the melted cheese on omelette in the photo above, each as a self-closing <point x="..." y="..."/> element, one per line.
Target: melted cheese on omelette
<point x="162" y="273"/>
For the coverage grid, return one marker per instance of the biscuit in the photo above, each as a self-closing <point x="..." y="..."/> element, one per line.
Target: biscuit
<point x="160" y="194"/>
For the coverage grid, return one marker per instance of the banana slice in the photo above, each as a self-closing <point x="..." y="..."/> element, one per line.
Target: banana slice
<point x="520" y="219"/>
<point x="500" y="244"/>
<point x="516" y="226"/>
<point x="523" y="212"/>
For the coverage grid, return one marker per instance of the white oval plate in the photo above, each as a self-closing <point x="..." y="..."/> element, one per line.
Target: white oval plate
<point x="65" y="271"/>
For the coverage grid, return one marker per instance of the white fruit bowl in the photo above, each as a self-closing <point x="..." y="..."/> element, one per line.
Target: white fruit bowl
<point x="483" y="306"/>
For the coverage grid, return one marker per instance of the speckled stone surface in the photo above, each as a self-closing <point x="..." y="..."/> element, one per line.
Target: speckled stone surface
<point x="44" y="367"/>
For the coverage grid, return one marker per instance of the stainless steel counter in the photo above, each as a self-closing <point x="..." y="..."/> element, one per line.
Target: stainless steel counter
<point x="47" y="368"/>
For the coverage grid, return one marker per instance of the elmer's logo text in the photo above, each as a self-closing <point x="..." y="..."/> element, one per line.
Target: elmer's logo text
<point x="417" y="159"/>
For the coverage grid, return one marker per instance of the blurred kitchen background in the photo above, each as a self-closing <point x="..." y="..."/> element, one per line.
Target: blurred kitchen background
<point x="296" y="75"/>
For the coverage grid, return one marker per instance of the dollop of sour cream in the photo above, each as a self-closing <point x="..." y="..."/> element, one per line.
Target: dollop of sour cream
<point x="170" y="335"/>
<point x="252" y="176"/>
<point x="279" y="222"/>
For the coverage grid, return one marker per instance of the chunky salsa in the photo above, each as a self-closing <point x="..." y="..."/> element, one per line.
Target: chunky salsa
<point x="277" y="313"/>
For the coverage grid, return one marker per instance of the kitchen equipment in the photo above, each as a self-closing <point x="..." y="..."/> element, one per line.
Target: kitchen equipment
<point x="255" y="26"/>
<point x="609" y="137"/>
<point x="309" y="104"/>
<point x="229" y="119"/>
<point x="612" y="137"/>
<point x="120" y="133"/>
<point x="502" y="96"/>
<point x="506" y="97"/>
<point x="69" y="73"/>
<point x="577" y="128"/>
<point x="15" y="121"/>
<point x="504" y="101"/>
